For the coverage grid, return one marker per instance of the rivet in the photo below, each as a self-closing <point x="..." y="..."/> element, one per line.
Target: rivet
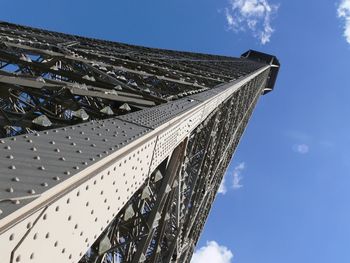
<point x="30" y="141"/>
<point x="12" y="167"/>
<point x="93" y="145"/>
<point x="31" y="191"/>
<point x="84" y="163"/>
<point x="76" y="167"/>
<point x="52" y="142"/>
<point x="41" y="168"/>
<point x="45" y="184"/>
<point x="10" y="190"/>
<point x="56" y="178"/>
<point x="37" y="134"/>
<point x="47" y="235"/>
<point x="33" y="149"/>
<point x="18" y="259"/>
<point x="62" y="159"/>
<point x="57" y="150"/>
<point x="37" y="157"/>
<point x="1" y="212"/>
<point x="12" y="236"/>
<point x="13" y="138"/>
<point x="32" y="256"/>
<point x="9" y="156"/>
<point x="7" y="147"/>
<point x="79" y="151"/>
<point x="16" y="202"/>
<point x="87" y="139"/>
<point x="68" y="137"/>
<point x="67" y="172"/>
<point x="2" y="141"/>
<point x="73" y="143"/>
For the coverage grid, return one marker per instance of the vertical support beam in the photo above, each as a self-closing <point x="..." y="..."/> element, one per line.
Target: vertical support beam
<point x="172" y="171"/>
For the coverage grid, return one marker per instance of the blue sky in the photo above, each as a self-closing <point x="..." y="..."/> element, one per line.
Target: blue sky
<point x="287" y="191"/>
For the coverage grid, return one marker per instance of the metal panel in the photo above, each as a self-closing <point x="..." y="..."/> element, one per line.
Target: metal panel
<point x="86" y="210"/>
<point x="161" y="114"/>
<point x="173" y="135"/>
<point x="12" y="237"/>
<point x="33" y="164"/>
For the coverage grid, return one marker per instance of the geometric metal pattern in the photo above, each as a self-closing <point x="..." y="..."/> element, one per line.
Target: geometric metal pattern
<point x="112" y="152"/>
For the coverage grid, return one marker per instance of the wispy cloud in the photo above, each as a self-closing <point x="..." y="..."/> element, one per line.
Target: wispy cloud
<point x="223" y="188"/>
<point x="236" y="182"/>
<point x="344" y="14"/>
<point x="301" y="148"/>
<point x="212" y="252"/>
<point x="252" y="15"/>
<point x="235" y="174"/>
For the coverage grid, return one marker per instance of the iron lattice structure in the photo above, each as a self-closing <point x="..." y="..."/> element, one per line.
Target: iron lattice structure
<point x="114" y="152"/>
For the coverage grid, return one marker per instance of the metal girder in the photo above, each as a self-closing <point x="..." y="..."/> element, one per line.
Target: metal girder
<point x="136" y="182"/>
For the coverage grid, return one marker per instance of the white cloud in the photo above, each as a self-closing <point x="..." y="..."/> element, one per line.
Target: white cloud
<point x="253" y="15"/>
<point x="236" y="183"/>
<point x="222" y="187"/>
<point x="301" y="148"/>
<point x="236" y="178"/>
<point x="344" y="14"/>
<point x="213" y="253"/>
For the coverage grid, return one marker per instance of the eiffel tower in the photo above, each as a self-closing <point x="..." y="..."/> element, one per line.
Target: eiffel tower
<point x="113" y="152"/>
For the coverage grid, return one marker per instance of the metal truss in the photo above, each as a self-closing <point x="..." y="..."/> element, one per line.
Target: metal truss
<point x="163" y="220"/>
<point x="51" y="80"/>
<point x="113" y="152"/>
